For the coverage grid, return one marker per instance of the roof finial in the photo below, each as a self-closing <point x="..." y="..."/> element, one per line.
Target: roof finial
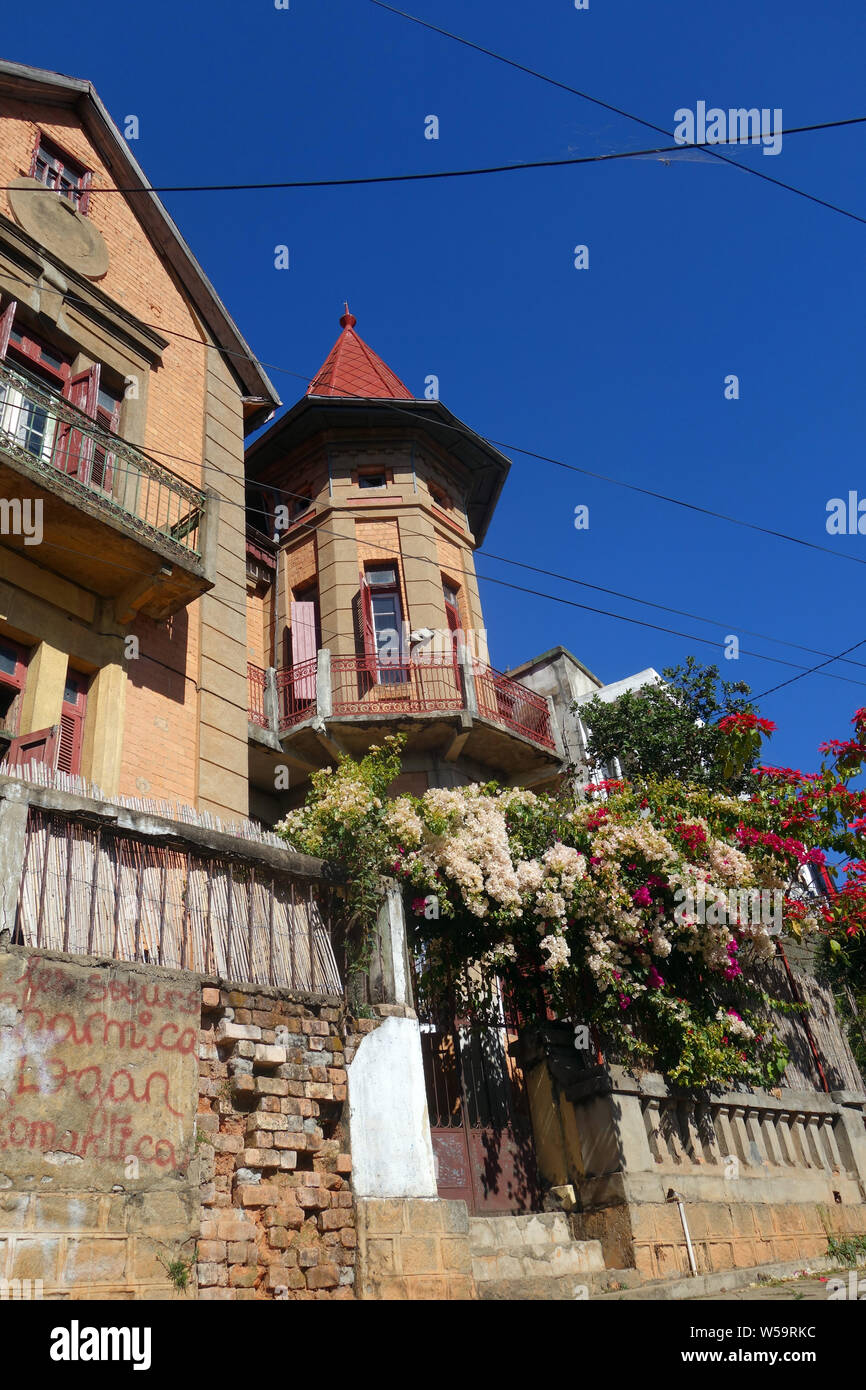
<point x="348" y="320"/>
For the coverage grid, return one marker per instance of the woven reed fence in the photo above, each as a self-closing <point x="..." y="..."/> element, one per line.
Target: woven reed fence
<point x="94" y="889"/>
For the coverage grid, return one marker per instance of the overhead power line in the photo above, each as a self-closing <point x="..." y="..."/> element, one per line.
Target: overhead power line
<point x="428" y="175"/>
<point x="403" y="409"/>
<point x="812" y="670"/>
<point x="608" y="106"/>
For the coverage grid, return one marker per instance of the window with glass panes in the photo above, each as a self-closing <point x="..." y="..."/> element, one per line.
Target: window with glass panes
<point x="58" y="170"/>
<point x="387" y="612"/>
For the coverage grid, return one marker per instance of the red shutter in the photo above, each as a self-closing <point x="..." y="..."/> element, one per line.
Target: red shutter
<point x="102" y="469"/>
<point x="303" y="618"/>
<point x="72" y="726"/>
<point x="38" y="747"/>
<point x="367" y="623"/>
<point x="84" y="197"/>
<point x="73" y="449"/>
<point x="6" y="320"/>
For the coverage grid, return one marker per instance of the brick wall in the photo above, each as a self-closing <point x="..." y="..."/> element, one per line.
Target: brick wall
<point x="163" y="710"/>
<point x="277" y="1211"/>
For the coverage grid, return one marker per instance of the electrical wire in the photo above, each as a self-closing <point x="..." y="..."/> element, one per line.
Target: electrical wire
<point x="618" y="110"/>
<point x="491" y="579"/>
<point x="430" y="175"/>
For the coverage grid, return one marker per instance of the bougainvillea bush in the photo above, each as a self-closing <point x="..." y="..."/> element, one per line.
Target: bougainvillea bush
<point x="643" y="909"/>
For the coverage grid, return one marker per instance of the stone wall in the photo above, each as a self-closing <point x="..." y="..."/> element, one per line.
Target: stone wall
<point x="277" y="1210"/>
<point x="98" y="1175"/>
<point x="414" y="1248"/>
<point x="725" y="1235"/>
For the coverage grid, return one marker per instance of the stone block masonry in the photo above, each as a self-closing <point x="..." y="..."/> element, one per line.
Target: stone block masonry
<point x="414" y="1248"/>
<point x="278" y="1217"/>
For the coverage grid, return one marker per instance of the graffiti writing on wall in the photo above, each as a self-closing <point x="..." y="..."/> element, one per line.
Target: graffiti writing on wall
<point x="96" y="1064"/>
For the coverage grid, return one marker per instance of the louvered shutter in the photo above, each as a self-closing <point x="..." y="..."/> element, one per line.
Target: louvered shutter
<point x="38" y="747"/>
<point x="72" y="725"/>
<point x="102" y="468"/>
<point x="303" y="618"/>
<point x="74" y="449"/>
<point x="368" y="627"/>
<point x="6" y="320"/>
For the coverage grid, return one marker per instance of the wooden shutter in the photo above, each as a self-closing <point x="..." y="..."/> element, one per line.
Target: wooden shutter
<point x="74" y="449"/>
<point x="367" y="624"/>
<point x="6" y="321"/>
<point x="34" y="158"/>
<point x="303" y="618"/>
<point x="72" y="726"/>
<point x="38" y="747"/>
<point x="84" y="196"/>
<point x="102" y="468"/>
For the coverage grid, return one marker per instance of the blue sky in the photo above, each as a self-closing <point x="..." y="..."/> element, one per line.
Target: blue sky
<point x="696" y="271"/>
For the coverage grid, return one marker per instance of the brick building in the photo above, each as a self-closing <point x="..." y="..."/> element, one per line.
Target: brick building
<point x="126" y="391"/>
<point x="366" y="507"/>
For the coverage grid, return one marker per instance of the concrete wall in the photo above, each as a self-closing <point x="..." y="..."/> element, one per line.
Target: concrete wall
<point x="98" y="1174"/>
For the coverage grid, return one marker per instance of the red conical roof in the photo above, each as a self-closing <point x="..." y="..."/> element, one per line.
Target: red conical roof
<point x="353" y="369"/>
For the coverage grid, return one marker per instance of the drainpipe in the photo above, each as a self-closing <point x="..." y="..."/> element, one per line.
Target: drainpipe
<point x="680" y="1201"/>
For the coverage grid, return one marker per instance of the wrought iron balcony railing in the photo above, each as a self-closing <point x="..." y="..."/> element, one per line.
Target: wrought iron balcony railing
<point x="359" y="685"/>
<point x="80" y="459"/>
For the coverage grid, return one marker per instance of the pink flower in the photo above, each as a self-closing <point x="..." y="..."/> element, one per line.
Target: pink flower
<point x="641" y="897"/>
<point x="624" y="1001"/>
<point x="654" y="979"/>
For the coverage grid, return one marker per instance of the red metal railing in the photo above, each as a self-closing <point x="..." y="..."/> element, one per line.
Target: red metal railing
<point x="361" y="686"/>
<point x="256" y="684"/>
<point x="508" y="702"/>
<point x="296" y="693"/>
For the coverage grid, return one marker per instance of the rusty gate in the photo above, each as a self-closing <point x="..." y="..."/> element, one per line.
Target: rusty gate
<point x="479" y="1114"/>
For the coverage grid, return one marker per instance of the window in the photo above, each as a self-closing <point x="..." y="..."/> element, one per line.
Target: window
<point x="13" y="674"/>
<point x="372" y="478"/>
<point x="452" y="605"/>
<point x="61" y="172"/>
<point x="27" y="421"/>
<point x="440" y="497"/>
<point x="299" y="505"/>
<point x="383" y="623"/>
<point x="35" y="426"/>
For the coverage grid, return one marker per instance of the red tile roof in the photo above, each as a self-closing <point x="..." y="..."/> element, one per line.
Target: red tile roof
<point x="353" y="369"/>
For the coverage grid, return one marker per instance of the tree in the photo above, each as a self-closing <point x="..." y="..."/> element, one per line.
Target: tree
<point x="672" y="730"/>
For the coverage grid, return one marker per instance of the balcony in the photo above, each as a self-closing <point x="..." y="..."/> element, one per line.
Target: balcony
<point x="112" y="520"/>
<point x="447" y="705"/>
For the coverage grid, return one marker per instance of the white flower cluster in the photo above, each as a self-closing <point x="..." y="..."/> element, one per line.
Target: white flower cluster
<point x="558" y="952"/>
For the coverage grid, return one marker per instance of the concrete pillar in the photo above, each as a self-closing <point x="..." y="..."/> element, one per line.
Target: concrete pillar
<point x="102" y="748"/>
<point x="338" y="585"/>
<point x="389" y="969"/>
<point x="324" y="693"/>
<point x="13" y="842"/>
<point x="468" y="673"/>
<point x="271" y="702"/>
<point x="424" y="595"/>
<point x="392" y="1151"/>
<point x="43" y="693"/>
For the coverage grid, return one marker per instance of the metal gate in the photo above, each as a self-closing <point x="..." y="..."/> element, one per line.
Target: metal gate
<point x="479" y="1115"/>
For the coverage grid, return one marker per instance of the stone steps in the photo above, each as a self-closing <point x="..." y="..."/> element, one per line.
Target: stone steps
<point x="532" y="1256"/>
